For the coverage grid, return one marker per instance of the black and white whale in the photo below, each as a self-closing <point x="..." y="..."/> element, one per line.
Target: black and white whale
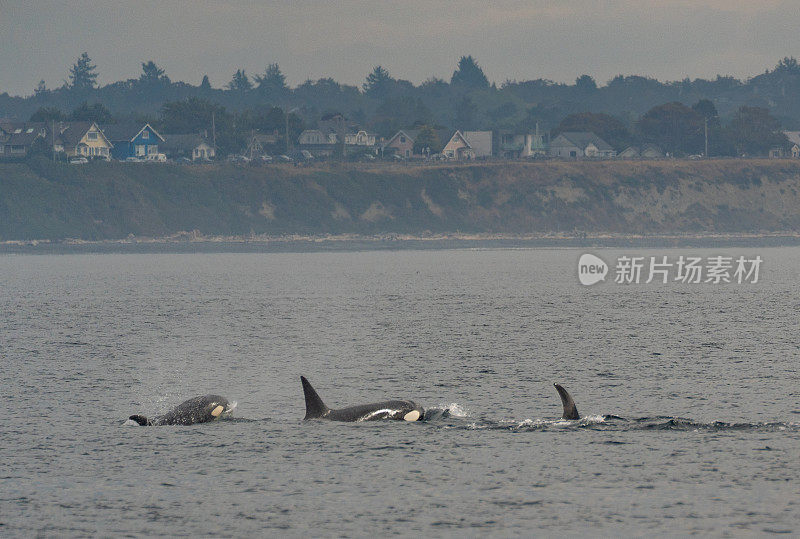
<point x="200" y="409"/>
<point x="399" y="410"/>
<point x="570" y="410"/>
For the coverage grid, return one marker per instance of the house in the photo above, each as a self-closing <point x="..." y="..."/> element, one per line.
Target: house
<point x="513" y="145"/>
<point x="794" y="143"/>
<point x="580" y="144"/>
<point x="190" y="146"/>
<point x="400" y="144"/>
<point x="261" y="144"/>
<point x="320" y="142"/>
<point x="132" y="139"/>
<point x="360" y="140"/>
<point x="16" y="138"/>
<point x="648" y="151"/>
<point x="84" y="139"/>
<point x="458" y="147"/>
<point x="480" y="142"/>
<point x="651" y="151"/>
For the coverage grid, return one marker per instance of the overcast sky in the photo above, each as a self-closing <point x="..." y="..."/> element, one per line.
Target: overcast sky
<point x="413" y="39"/>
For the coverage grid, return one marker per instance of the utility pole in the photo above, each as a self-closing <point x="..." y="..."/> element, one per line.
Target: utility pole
<point x="214" y="131"/>
<point x="706" y="133"/>
<point x="287" y="132"/>
<point x="53" y="138"/>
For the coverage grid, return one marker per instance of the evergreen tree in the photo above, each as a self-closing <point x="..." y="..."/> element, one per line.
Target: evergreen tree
<point x="82" y="74"/>
<point x="469" y="74"/>
<point x="152" y="74"/>
<point x="240" y="82"/>
<point x="273" y="82"/>
<point x="40" y="89"/>
<point x="378" y="82"/>
<point x="585" y="83"/>
<point x="205" y="84"/>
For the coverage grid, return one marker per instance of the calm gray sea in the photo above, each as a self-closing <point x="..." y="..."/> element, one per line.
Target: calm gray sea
<point x="689" y="393"/>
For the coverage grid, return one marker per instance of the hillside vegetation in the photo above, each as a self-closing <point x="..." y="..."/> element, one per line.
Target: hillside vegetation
<point x="42" y="200"/>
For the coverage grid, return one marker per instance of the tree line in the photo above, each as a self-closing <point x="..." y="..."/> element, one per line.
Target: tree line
<point x="740" y="117"/>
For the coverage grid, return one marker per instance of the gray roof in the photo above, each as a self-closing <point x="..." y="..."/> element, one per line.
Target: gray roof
<point x="582" y="139"/>
<point x="410" y="133"/>
<point x="71" y="133"/>
<point x="126" y="131"/>
<point x="793" y="136"/>
<point x="22" y="133"/>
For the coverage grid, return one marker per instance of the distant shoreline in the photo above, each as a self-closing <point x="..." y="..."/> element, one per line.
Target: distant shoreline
<point x="191" y="243"/>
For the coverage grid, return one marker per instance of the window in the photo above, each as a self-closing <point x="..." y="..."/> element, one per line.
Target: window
<point x="402" y="139"/>
<point x="91" y="135"/>
<point x="140" y="150"/>
<point x="145" y="134"/>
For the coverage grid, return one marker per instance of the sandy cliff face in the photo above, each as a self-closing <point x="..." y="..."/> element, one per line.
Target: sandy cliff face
<point x="106" y="201"/>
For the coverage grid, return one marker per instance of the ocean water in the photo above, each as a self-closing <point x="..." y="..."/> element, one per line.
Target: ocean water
<point x="689" y="395"/>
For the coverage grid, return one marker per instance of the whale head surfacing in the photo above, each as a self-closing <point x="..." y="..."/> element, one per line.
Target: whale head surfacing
<point x="200" y="409"/>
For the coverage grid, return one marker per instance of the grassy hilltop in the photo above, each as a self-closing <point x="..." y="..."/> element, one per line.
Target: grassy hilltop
<point x="42" y="200"/>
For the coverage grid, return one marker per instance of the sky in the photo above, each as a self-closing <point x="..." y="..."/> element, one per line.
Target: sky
<point x="414" y="39"/>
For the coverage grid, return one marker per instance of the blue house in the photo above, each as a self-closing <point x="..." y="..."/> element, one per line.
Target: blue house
<point x="132" y="140"/>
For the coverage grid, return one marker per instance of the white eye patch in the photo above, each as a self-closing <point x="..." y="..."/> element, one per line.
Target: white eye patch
<point x="218" y="410"/>
<point x="413" y="415"/>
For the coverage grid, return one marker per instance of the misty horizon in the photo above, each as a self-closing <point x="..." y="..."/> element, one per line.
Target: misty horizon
<point x="666" y="41"/>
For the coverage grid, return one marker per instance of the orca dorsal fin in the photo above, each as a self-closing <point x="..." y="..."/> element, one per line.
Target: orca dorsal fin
<point x="315" y="408"/>
<point x="570" y="410"/>
<point x="140" y="419"/>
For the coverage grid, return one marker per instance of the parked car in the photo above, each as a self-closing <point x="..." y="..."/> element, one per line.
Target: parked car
<point x="266" y="159"/>
<point x="305" y="155"/>
<point x="78" y="160"/>
<point x="285" y="159"/>
<point x="156" y="158"/>
<point x="132" y="160"/>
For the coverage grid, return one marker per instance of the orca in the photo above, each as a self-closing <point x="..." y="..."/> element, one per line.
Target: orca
<point x="570" y="410"/>
<point x="398" y="410"/>
<point x="200" y="409"/>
